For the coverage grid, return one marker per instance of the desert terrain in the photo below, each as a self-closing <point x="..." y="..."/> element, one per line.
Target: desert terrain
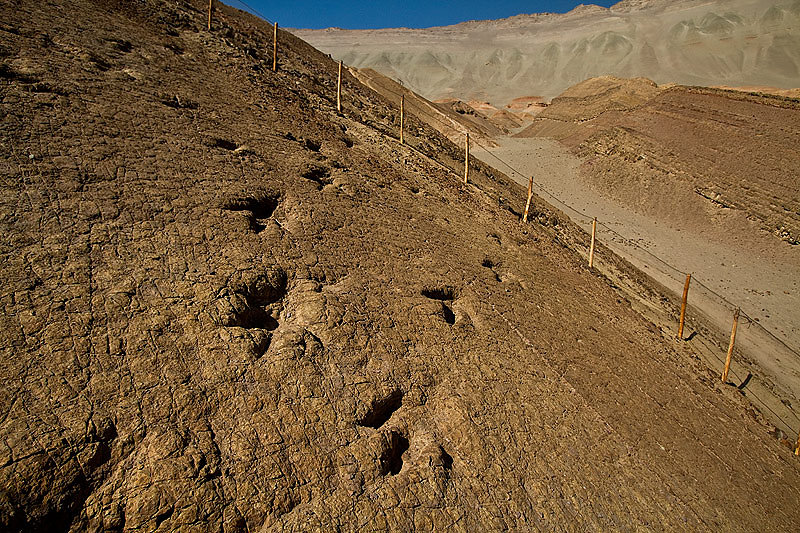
<point x="228" y="306"/>
<point x="689" y="178"/>
<point x="716" y="165"/>
<point x="642" y="158"/>
<point x="691" y="42"/>
<point x="703" y="178"/>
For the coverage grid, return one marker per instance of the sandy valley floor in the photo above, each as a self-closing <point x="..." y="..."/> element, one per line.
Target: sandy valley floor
<point x="760" y="274"/>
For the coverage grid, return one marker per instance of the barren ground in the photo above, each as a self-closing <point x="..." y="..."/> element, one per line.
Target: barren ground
<point x="226" y="307"/>
<point x="694" y="42"/>
<point x="714" y="170"/>
<point x="758" y="272"/>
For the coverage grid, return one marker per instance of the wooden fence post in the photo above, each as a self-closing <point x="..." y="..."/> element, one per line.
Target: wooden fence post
<point x="528" y="203"/>
<point x="402" y="112"/>
<point x="591" y="246"/>
<point x="210" y="8"/>
<point x="730" y="346"/>
<point x="466" y="159"/>
<point x="339" y="90"/>
<point x="275" y="48"/>
<point x="683" y="304"/>
<point x="797" y="447"/>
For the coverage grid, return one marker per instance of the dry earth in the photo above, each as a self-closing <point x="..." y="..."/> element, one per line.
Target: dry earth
<point x="226" y="307"/>
<point x="694" y="42"/>
<point x="718" y="165"/>
<point x="703" y="178"/>
<point x="452" y="119"/>
<point x="760" y="276"/>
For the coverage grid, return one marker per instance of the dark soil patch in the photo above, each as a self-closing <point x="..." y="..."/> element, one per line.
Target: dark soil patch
<point x="225" y="144"/>
<point x="439" y="293"/>
<point x="258" y="208"/>
<point x="448" y="314"/>
<point x="176" y="102"/>
<point x="318" y="174"/>
<point x="314" y="146"/>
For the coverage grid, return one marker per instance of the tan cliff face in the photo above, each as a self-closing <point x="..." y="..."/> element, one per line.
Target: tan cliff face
<point x="225" y="306"/>
<point x="694" y="42"/>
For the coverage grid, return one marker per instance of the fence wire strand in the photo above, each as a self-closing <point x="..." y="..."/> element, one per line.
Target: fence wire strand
<point x="583" y="218"/>
<point x="253" y="11"/>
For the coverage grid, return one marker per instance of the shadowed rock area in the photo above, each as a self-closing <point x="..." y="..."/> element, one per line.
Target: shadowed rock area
<point x="227" y="307"/>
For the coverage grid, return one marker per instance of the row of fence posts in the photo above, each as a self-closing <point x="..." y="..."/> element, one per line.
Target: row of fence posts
<point x="684" y="299"/>
<point x="682" y="320"/>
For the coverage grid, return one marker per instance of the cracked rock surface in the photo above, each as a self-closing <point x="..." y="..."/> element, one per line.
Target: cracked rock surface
<point x="226" y="307"/>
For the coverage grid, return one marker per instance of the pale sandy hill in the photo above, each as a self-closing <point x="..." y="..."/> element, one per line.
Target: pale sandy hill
<point x="693" y="42"/>
<point x="595" y="96"/>
<point x="451" y="117"/>
<point x="508" y="119"/>
<point x="524" y="102"/>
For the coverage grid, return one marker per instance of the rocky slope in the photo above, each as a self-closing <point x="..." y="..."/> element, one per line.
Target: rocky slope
<point x="715" y="166"/>
<point x="692" y="153"/>
<point x="226" y="306"/>
<point x="694" y="42"/>
<point x="452" y="120"/>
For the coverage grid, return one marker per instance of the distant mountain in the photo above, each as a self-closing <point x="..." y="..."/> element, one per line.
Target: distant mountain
<point x="694" y="42"/>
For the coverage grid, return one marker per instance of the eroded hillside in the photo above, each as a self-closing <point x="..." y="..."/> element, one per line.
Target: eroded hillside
<point x="694" y="42"/>
<point x="695" y="154"/>
<point x="226" y="306"/>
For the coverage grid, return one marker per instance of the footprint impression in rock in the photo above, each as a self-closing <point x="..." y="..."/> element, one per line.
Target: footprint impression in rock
<point x="257" y="208"/>
<point x="444" y="295"/>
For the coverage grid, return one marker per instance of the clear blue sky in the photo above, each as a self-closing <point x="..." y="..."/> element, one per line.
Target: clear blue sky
<point x="396" y="13"/>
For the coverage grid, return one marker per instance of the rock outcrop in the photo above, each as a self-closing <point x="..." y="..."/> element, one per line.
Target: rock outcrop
<point x="227" y="307"/>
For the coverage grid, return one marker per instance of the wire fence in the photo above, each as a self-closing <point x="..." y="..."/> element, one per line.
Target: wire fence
<point x="253" y="11"/>
<point x="713" y="307"/>
<point x="614" y="236"/>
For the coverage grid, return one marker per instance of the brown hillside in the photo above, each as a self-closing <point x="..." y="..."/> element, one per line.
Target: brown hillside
<point x="451" y="120"/>
<point x="688" y="153"/>
<point x="227" y="307"/>
<point x="596" y="96"/>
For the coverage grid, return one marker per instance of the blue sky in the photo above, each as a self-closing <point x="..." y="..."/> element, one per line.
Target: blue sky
<point x="393" y="13"/>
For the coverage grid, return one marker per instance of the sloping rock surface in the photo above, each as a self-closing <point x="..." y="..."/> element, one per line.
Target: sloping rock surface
<point x="685" y="151"/>
<point x="227" y="307"/>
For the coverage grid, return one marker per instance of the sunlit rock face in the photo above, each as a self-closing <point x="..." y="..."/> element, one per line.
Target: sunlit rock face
<point x="734" y="43"/>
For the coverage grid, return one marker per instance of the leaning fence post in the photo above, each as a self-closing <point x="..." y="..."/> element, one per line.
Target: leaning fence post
<point x="210" y="8"/>
<point x="339" y="90"/>
<point x="683" y="304"/>
<point x="528" y="203"/>
<point x="730" y="346"/>
<point x="275" y="48"/>
<point x="591" y="246"/>
<point x="466" y="159"/>
<point x="402" y="112"/>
